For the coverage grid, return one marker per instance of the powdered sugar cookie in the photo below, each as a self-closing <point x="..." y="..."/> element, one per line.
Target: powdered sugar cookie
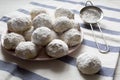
<point x="88" y="63"/>
<point x="59" y="12"/>
<point x="72" y="37"/>
<point x="42" y="36"/>
<point x="62" y="24"/>
<point x="36" y="11"/>
<point x="19" y="24"/>
<point x="27" y="34"/>
<point x="42" y="20"/>
<point x="11" y="40"/>
<point x="57" y="48"/>
<point x="26" y="50"/>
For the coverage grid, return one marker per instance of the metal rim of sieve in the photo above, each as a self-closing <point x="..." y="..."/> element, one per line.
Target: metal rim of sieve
<point x="94" y="8"/>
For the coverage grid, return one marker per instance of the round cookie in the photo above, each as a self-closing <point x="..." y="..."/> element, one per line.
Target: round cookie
<point x="27" y="34"/>
<point x="64" y="12"/>
<point x="11" y="40"/>
<point x="57" y="48"/>
<point x="19" y="24"/>
<point x="76" y="25"/>
<point x="88" y="63"/>
<point x="42" y="20"/>
<point x="26" y="50"/>
<point x="34" y="12"/>
<point x="62" y="24"/>
<point x="42" y="36"/>
<point x="72" y="37"/>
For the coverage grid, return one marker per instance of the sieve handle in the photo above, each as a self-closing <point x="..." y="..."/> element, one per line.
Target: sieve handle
<point x="86" y="4"/>
<point x="106" y="45"/>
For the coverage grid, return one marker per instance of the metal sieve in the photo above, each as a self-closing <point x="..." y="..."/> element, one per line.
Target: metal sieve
<point x="91" y="14"/>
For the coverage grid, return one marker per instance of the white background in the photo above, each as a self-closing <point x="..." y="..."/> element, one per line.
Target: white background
<point x="7" y="6"/>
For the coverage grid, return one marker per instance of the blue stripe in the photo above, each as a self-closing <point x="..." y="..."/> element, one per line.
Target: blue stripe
<point x="110" y="31"/>
<point x="111" y="19"/>
<point x="5" y="19"/>
<point x="83" y="3"/>
<point x="109" y="8"/>
<point x="19" y="72"/>
<point x="107" y="71"/>
<point x="42" y="5"/>
<point x="24" y="11"/>
<point x="103" y="30"/>
<point x="27" y="75"/>
<point x="75" y="11"/>
<point x="102" y="46"/>
<point x="68" y="59"/>
<point x="104" y="71"/>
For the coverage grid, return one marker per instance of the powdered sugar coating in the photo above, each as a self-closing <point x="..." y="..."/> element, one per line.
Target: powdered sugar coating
<point x="88" y="63"/>
<point x="34" y="12"/>
<point x="19" y="24"/>
<point x="64" y="12"/>
<point x="57" y="48"/>
<point x="76" y="25"/>
<point x="26" y="50"/>
<point x="11" y="40"/>
<point x="42" y="36"/>
<point x="72" y="37"/>
<point x="27" y="34"/>
<point x="62" y="24"/>
<point x="42" y="20"/>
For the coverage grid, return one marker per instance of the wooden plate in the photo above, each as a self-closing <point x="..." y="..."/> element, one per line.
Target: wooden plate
<point x="43" y="55"/>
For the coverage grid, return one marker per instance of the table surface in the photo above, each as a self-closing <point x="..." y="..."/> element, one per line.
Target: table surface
<point x="7" y="6"/>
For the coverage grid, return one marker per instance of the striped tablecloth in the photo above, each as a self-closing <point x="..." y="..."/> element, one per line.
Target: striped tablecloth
<point x="65" y="68"/>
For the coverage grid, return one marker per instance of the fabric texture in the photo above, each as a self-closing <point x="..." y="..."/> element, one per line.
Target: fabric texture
<point x="65" y="68"/>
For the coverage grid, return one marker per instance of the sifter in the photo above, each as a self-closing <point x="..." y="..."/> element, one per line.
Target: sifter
<point x="91" y="14"/>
